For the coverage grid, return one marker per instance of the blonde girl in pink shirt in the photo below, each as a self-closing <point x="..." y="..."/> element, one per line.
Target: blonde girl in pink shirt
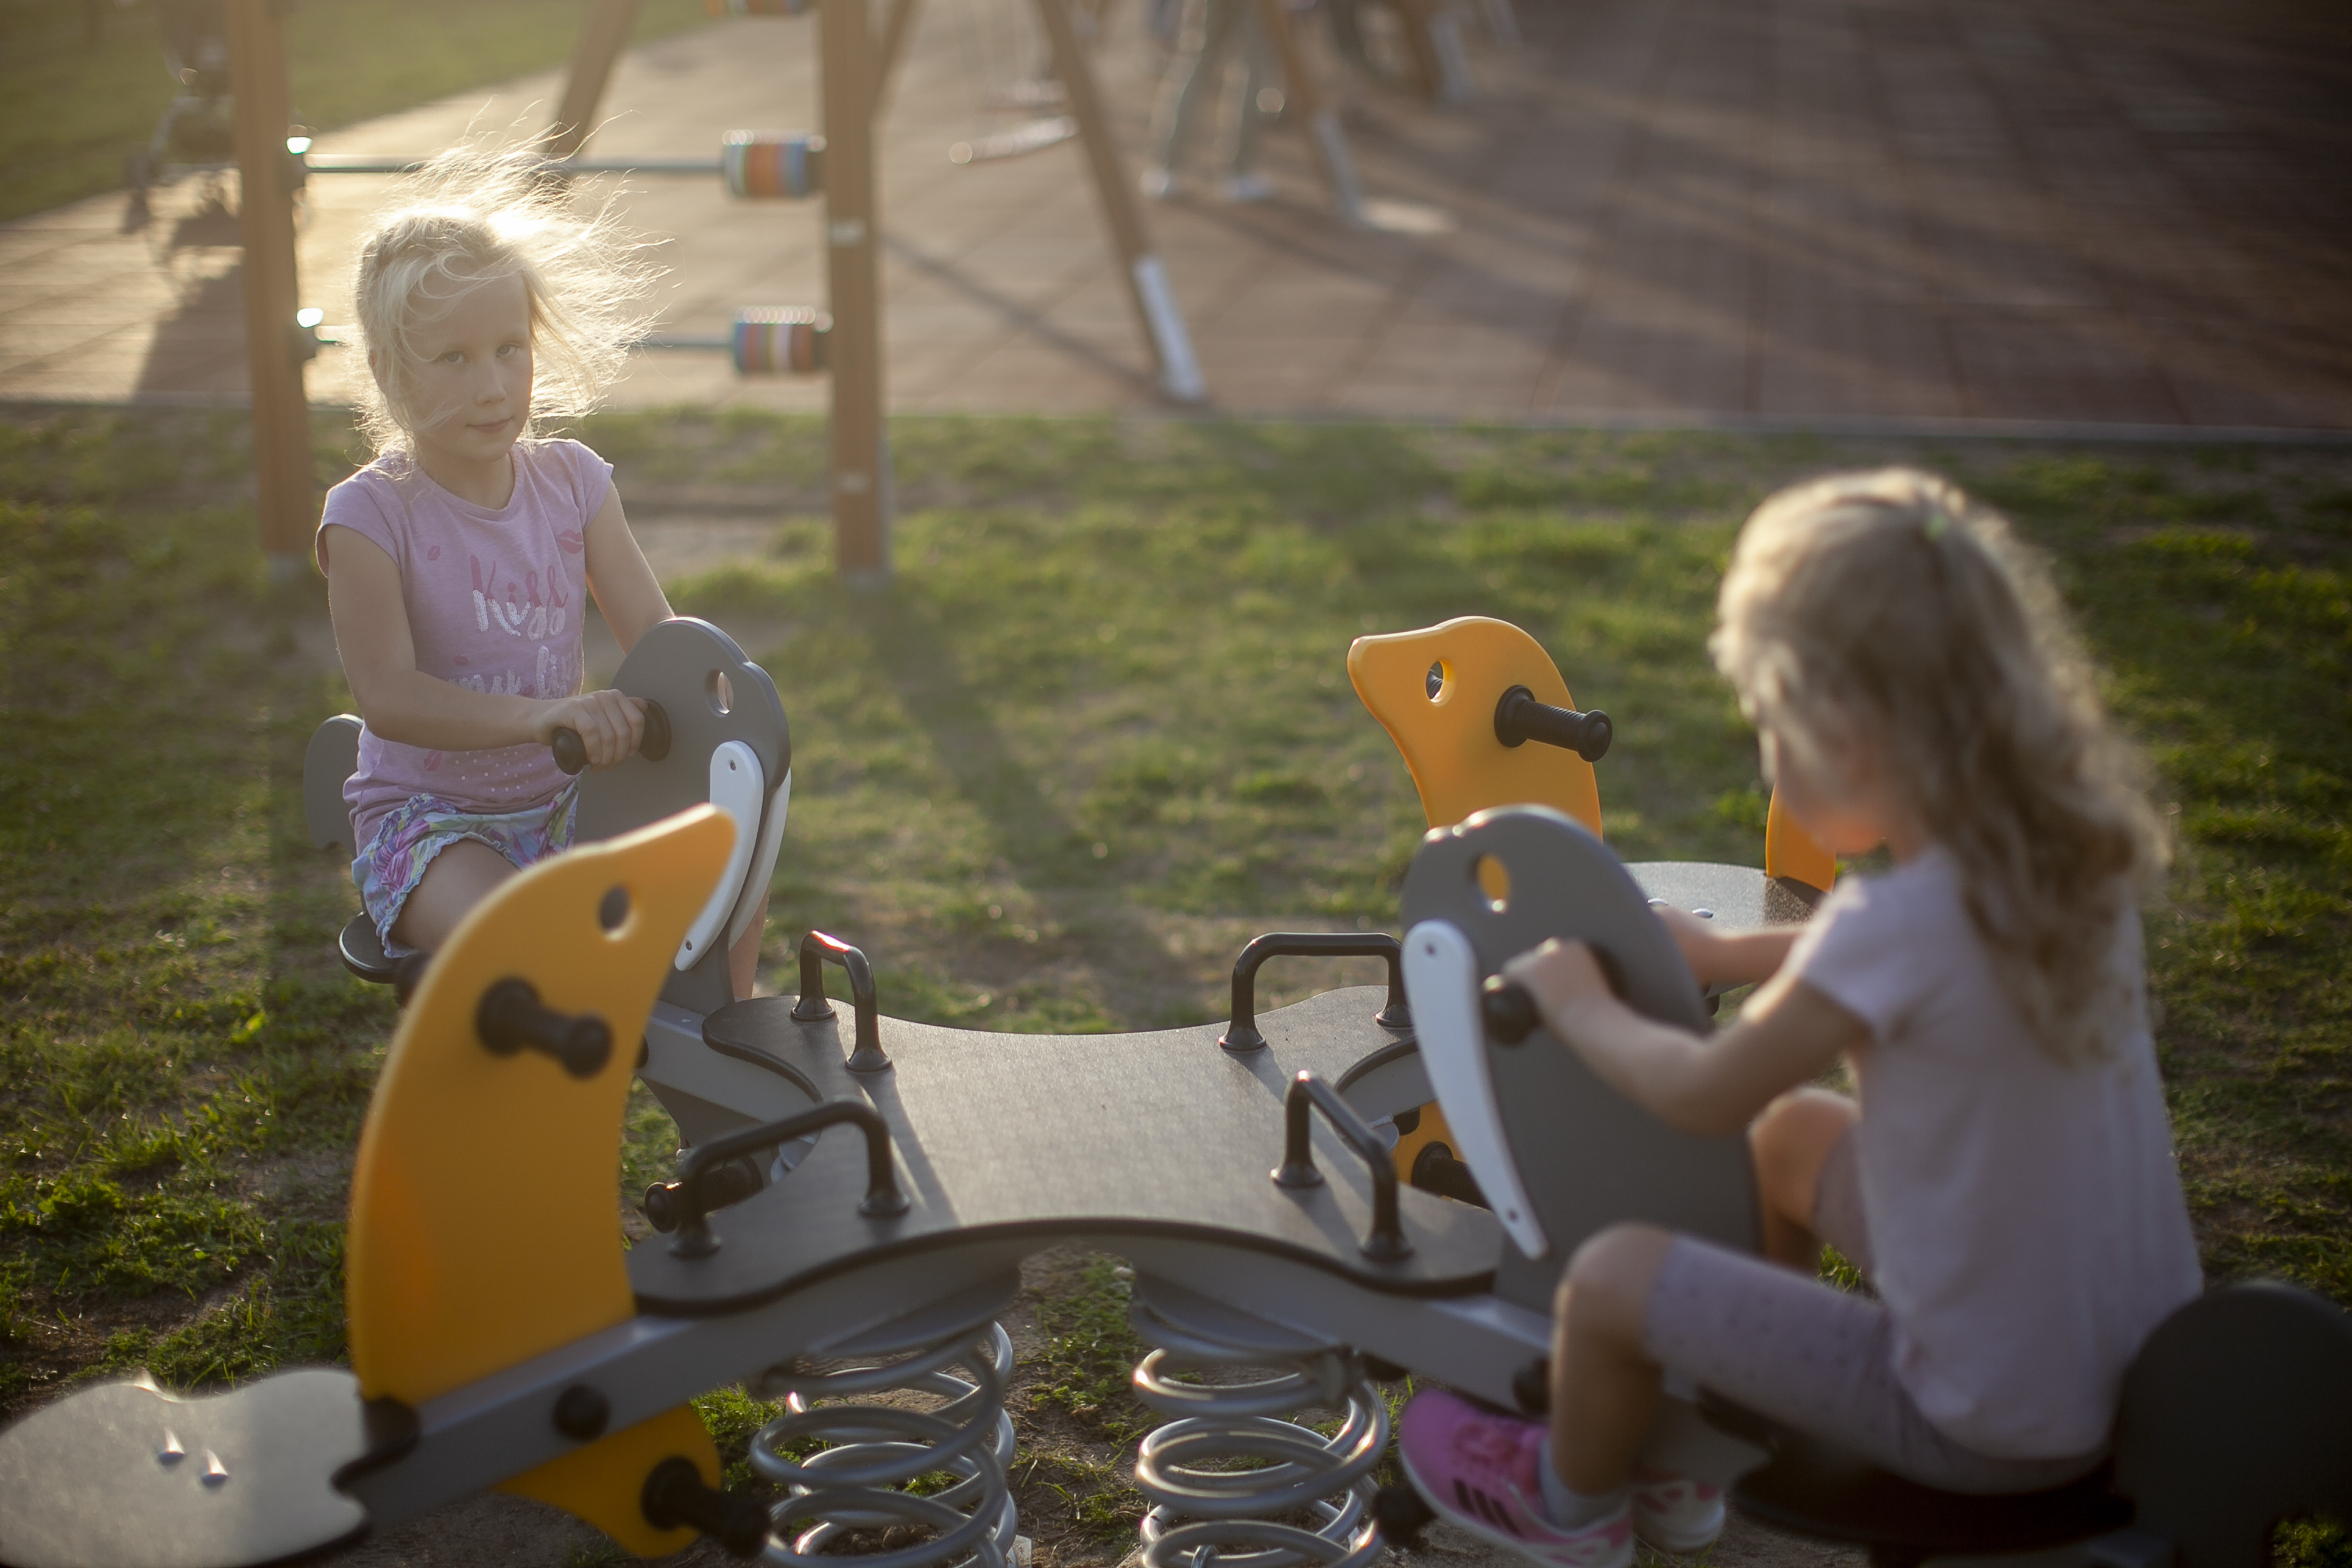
<point x="2003" y="1173"/>
<point x="460" y="560"/>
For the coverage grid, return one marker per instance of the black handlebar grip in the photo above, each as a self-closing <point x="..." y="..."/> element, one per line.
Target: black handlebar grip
<point x="1508" y="1010"/>
<point x="510" y="1019"/>
<point x="674" y="1496"/>
<point x="1519" y="718"/>
<point x="571" y="753"/>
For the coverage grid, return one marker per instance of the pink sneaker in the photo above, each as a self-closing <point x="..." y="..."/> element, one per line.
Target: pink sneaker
<point x="1478" y="1470"/>
<point x="1674" y="1513"/>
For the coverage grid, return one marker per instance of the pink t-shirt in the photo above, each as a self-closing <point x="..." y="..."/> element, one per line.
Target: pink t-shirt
<point x="2026" y="1218"/>
<point x="494" y="601"/>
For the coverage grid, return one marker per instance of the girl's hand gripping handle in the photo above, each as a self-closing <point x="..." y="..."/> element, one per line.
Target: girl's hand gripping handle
<point x="598" y="729"/>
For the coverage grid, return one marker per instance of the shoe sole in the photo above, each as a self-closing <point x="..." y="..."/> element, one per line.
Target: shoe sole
<point x="1676" y="1546"/>
<point x="1488" y="1534"/>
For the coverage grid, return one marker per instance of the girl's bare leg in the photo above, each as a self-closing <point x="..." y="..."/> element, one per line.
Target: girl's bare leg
<point x="743" y="960"/>
<point x="460" y="877"/>
<point x="1790" y="1141"/>
<point x="1604" y="1390"/>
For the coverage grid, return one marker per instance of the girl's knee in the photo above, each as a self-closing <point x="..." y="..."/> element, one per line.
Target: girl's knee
<point x="1608" y="1275"/>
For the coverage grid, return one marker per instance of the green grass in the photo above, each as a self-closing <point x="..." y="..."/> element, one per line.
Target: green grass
<point x="73" y="101"/>
<point x="1096" y="733"/>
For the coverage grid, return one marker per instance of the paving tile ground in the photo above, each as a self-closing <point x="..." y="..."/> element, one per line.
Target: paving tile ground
<point x="1828" y="213"/>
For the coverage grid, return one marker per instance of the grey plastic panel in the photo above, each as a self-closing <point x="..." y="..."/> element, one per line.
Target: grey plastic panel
<point x="677" y="664"/>
<point x="1589" y="1157"/>
<point x="328" y="764"/>
<point x="1741" y="898"/>
<point x="1085" y="1136"/>
<point x="95" y="1478"/>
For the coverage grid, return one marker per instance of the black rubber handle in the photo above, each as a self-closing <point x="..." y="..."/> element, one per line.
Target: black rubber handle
<point x="1508" y="1009"/>
<point x="817" y="950"/>
<point x="1519" y="718"/>
<point x="676" y="1497"/>
<point x="685" y="1204"/>
<point x="1241" y="1031"/>
<point x="571" y="753"/>
<point x="1436" y="1170"/>
<point x="510" y="1018"/>
<point x="1386" y="1242"/>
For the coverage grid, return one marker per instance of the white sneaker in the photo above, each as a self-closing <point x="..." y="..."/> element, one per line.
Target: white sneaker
<point x="1674" y="1513"/>
<point x="1158" y="182"/>
<point x="1246" y="188"/>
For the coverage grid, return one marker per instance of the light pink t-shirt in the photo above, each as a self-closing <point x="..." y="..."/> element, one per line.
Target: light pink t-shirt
<point x="494" y="600"/>
<point x="2026" y="1216"/>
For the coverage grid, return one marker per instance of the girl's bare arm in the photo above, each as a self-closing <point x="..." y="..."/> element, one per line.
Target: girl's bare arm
<point x="624" y="585"/>
<point x="401" y="702"/>
<point x="1728" y="958"/>
<point x="1787" y="1034"/>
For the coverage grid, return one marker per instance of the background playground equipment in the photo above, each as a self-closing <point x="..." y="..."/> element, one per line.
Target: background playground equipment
<point x="499" y="1336"/>
<point x="274" y="160"/>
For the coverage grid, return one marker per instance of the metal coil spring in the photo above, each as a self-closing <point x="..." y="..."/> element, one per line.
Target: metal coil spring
<point x="876" y="1449"/>
<point x="1235" y="1514"/>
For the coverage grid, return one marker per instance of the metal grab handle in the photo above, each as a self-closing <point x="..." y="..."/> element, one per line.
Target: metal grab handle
<point x="571" y="753"/>
<point x="1386" y="1242"/>
<point x="817" y="950"/>
<point x="1519" y="718"/>
<point x="686" y="1203"/>
<point x="510" y="1018"/>
<point x="1241" y="1033"/>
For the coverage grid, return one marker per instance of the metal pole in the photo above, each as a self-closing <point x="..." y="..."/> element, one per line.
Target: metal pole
<point x="275" y="348"/>
<point x="861" y="455"/>
<point x="603" y="35"/>
<point x="1322" y="121"/>
<point x="1147" y="280"/>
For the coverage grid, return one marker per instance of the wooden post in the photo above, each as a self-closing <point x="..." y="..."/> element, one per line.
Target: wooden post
<point x="1147" y="280"/>
<point x="895" y="28"/>
<point x="861" y="453"/>
<point x="604" y="34"/>
<point x="1322" y="121"/>
<point x="273" y="343"/>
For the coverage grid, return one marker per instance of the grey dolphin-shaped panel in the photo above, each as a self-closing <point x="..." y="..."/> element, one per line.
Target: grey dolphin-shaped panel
<point x="680" y="664"/>
<point x="1587" y="1156"/>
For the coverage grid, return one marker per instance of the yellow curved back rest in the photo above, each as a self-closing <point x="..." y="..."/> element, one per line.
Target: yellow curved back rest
<point x="483" y="1227"/>
<point x="1448" y="740"/>
<point x="1791" y="851"/>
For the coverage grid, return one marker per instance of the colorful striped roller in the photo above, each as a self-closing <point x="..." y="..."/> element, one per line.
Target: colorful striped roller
<point x="771" y="163"/>
<point x="756" y="8"/>
<point x="781" y="340"/>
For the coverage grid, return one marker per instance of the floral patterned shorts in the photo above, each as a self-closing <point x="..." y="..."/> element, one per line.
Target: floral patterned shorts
<point x="422" y="827"/>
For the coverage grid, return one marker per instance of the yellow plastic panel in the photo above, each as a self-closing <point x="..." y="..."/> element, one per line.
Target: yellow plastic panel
<point x="1432" y="1130"/>
<point x="604" y="1482"/>
<point x="1791" y="851"/>
<point x="482" y="1229"/>
<point x="1448" y="741"/>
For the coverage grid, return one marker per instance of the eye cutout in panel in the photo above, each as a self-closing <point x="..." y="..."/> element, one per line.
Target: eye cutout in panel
<point x="613" y="912"/>
<point x="1494" y="882"/>
<point x="1439" y="675"/>
<point x="721" y="693"/>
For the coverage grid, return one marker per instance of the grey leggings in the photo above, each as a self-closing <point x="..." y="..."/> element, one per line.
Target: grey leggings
<point x="1812" y="1356"/>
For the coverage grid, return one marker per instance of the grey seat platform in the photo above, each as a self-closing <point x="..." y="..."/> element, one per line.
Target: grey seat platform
<point x="1739" y="898"/>
<point x="127" y="1474"/>
<point x="1082" y="1136"/>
